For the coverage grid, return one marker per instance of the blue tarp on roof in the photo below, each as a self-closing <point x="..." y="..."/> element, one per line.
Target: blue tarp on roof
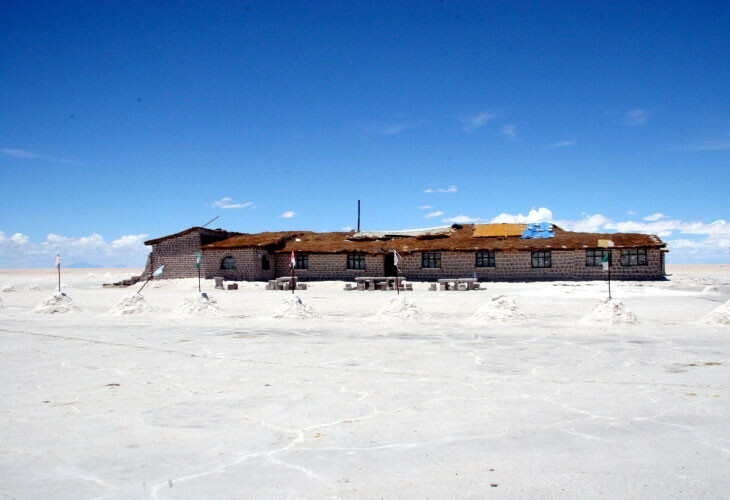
<point x="539" y="230"/>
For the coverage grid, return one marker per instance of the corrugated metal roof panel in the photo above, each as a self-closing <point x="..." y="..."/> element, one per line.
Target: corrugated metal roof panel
<point x="496" y="230"/>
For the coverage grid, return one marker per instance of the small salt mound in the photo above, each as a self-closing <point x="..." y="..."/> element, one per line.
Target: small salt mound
<point x="499" y="309"/>
<point x="292" y="307"/>
<point x="132" y="303"/>
<point x="8" y="288"/>
<point x="92" y="275"/>
<point x="710" y="290"/>
<point x="609" y="312"/>
<point x="198" y="303"/>
<point x="34" y="288"/>
<point x="1" y="304"/>
<point x="719" y="315"/>
<point x="56" y="303"/>
<point x="400" y="308"/>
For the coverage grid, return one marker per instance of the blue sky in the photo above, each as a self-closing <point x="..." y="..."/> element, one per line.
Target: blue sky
<point x="122" y="124"/>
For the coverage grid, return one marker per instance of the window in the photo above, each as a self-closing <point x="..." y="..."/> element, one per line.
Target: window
<point x="430" y="260"/>
<point x="265" y="263"/>
<point x="228" y="263"/>
<point x="595" y="257"/>
<point x="634" y="257"/>
<point x="485" y="258"/>
<point x="355" y="262"/>
<point x="542" y="259"/>
<point x="301" y="261"/>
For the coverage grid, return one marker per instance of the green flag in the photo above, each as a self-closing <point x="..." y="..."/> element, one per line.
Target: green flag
<point x="197" y="262"/>
<point x="605" y="262"/>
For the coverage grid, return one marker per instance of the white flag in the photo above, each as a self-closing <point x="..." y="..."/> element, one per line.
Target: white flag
<point x="159" y="271"/>
<point x="395" y="258"/>
<point x="58" y="261"/>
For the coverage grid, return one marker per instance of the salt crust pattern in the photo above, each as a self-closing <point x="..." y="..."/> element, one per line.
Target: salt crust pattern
<point x="292" y="307"/>
<point x="711" y="290"/>
<point x="719" y="316"/>
<point x="34" y="288"/>
<point x="8" y="288"/>
<point x="56" y="303"/>
<point x="609" y="312"/>
<point x="499" y="309"/>
<point x="198" y="304"/>
<point x="2" y="306"/>
<point x="133" y="303"/>
<point x="400" y="308"/>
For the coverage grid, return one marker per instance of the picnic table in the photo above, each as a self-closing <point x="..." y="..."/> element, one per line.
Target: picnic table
<point x="283" y="283"/>
<point x="377" y="282"/>
<point x="454" y="284"/>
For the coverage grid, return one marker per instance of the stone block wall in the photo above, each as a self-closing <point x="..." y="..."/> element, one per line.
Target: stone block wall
<point x="248" y="264"/>
<point x="329" y="267"/>
<point x="177" y="254"/>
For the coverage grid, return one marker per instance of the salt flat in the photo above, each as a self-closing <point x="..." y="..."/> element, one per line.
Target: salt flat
<point x="350" y="403"/>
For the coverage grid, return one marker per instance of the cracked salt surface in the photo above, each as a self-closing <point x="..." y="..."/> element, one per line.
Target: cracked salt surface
<point x="149" y="406"/>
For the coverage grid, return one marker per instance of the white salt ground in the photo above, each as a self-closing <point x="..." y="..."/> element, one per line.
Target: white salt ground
<point x="198" y="303"/>
<point x="56" y="303"/>
<point x="132" y="303"/>
<point x="292" y="307"/>
<point x="401" y="309"/>
<point x="719" y="316"/>
<point x="499" y="309"/>
<point x="609" y="312"/>
<point x="711" y="290"/>
<point x="33" y="288"/>
<point x="8" y="288"/>
<point x="2" y="306"/>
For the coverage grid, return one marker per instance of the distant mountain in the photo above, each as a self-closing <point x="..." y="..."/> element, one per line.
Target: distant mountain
<point x="83" y="265"/>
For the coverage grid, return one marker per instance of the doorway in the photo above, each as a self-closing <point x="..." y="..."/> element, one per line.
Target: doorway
<point x="389" y="267"/>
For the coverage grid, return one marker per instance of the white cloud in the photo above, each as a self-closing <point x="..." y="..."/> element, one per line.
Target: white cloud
<point x="477" y="121"/>
<point x="540" y="215"/>
<point x="510" y="130"/>
<point x="32" y="155"/>
<point x="589" y="224"/>
<point x="19" y="251"/>
<point x="424" y="207"/>
<point x="462" y="219"/>
<point x="227" y="203"/>
<point x="288" y="214"/>
<point x="631" y="212"/>
<point x="562" y="144"/>
<point x="347" y="229"/>
<point x="635" y="117"/>
<point x="437" y="213"/>
<point x="656" y="216"/>
<point x="450" y="189"/>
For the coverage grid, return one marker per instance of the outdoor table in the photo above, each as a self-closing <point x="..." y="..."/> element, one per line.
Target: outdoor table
<point x="453" y="283"/>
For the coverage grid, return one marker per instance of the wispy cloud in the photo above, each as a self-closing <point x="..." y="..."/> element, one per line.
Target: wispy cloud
<point x="635" y="117"/>
<point x="461" y="219"/>
<point x="288" y="214"/>
<point x="450" y="189"/>
<point x="424" y="207"/>
<point x="477" y="121"/>
<point x="562" y="144"/>
<point x="510" y="130"/>
<point x="19" y="251"/>
<point x="347" y="229"/>
<point x="656" y="216"/>
<point x="228" y="203"/>
<point x="32" y="155"/>
<point x="541" y="214"/>
<point x="431" y="215"/>
<point x="717" y="144"/>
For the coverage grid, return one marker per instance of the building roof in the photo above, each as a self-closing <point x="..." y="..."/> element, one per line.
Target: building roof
<point x="491" y="230"/>
<point x="204" y="230"/>
<point x="458" y="238"/>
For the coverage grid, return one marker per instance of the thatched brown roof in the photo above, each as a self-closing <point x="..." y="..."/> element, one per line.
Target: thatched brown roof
<point x="217" y="233"/>
<point x="459" y="239"/>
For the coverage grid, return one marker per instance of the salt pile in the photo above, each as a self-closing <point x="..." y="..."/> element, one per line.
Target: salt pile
<point x="499" y="309"/>
<point x="610" y="312"/>
<point x="56" y="303"/>
<point x="8" y="288"/>
<point x="292" y="307"/>
<point x="719" y="315"/>
<point x="133" y="303"/>
<point x="400" y="308"/>
<point x="710" y="290"/>
<point x="1" y="304"/>
<point x="198" y="303"/>
<point x="33" y="288"/>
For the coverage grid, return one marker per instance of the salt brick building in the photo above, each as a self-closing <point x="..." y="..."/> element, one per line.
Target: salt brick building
<point x="492" y="252"/>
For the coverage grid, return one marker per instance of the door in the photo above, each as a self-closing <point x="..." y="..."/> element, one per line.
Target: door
<point x="389" y="267"/>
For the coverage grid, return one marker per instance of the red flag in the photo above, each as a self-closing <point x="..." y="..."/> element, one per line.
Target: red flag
<point x="293" y="260"/>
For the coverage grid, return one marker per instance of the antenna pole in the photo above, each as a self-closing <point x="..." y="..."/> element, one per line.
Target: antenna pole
<point x="211" y="220"/>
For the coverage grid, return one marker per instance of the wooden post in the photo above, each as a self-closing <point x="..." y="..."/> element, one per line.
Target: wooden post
<point x="199" y="278"/>
<point x="293" y="283"/>
<point x="145" y="284"/>
<point x="59" y="277"/>
<point x="609" y="278"/>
